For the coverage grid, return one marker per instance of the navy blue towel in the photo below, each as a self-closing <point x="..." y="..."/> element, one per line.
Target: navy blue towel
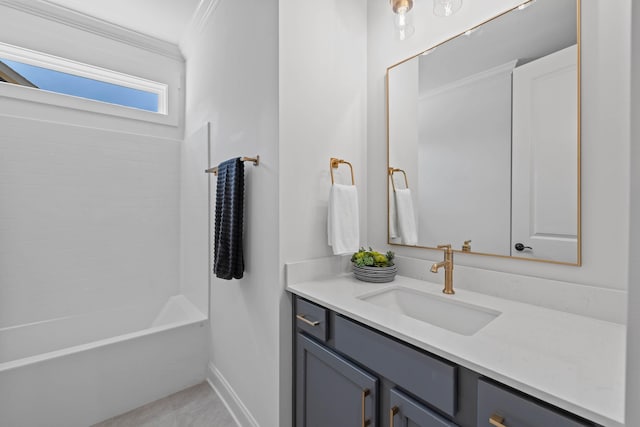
<point x="228" y="260"/>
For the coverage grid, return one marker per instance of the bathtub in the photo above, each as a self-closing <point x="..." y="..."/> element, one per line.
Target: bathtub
<point x="79" y="370"/>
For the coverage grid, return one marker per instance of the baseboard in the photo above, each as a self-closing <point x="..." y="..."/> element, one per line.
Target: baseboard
<point x="223" y="389"/>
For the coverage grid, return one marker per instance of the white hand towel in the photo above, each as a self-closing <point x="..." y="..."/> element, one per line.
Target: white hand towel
<point x="393" y="216"/>
<point x="343" y="221"/>
<point x="406" y="217"/>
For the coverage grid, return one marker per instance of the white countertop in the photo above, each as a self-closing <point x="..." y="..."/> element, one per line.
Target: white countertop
<point x="574" y="362"/>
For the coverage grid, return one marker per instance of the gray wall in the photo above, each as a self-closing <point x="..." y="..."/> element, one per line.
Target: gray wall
<point x="633" y="337"/>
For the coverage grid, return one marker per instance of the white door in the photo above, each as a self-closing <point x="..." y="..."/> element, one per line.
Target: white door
<point x="545" y="158"/>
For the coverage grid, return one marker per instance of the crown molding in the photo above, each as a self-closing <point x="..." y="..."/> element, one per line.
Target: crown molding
<point x="81" y="21"/>
<point x="508" y="66"/>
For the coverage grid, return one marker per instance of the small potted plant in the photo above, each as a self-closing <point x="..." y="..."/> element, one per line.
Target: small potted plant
<point x="373" y="266"/>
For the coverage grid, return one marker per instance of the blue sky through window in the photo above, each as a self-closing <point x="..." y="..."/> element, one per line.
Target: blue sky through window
<point x="69" y="84"/>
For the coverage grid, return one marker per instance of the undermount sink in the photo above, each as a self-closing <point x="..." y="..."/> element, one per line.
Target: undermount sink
<point x="441" y="311"/>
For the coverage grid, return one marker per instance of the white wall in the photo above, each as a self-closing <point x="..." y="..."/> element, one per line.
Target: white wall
<point x="323" y="104"/>
<point x="232" y="82"/>
<point x="236" y="79"/>
<point x="605" y="137"/>
<point x="633" y="332"/>
<point x="89" y="212"/>
<point x="323" y="74"/>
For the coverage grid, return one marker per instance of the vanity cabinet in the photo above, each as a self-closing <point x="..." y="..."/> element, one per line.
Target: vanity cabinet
<point x="500" y="406"/>
<point x="405" y="411"/>
<point x="348" y="374"/>
<point x="432" y="379"/>
<point x="312" y="319"/>
<point x="331" y="390"/>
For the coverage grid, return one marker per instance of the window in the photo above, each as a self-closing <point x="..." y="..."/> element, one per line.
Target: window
<point x="53" y="74"/>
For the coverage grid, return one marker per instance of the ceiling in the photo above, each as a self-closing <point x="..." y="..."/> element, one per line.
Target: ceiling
<point x="162" y="19"/>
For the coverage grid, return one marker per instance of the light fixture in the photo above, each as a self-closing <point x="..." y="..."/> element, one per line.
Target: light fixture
<point x="446" y="7"/>
<point x="402" y="21"/>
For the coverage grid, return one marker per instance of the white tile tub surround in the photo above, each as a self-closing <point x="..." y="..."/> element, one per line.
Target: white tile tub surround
<point x="161" y="349"/>
<point x="89" y="219"/>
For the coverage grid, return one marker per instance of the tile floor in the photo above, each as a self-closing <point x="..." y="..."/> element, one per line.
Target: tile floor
<point x="197" y="406"/>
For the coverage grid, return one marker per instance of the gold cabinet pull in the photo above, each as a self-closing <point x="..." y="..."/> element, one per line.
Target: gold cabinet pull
<point x="496" y="420"/>
<point x="365" y="422"/>
<point x="307" y="321"/>
<point x="392" y="414"/>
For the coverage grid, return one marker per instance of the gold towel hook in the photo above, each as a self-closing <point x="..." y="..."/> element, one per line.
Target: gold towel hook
<point x="393" y="184"/>
<point x="255" y="160"/>
<point x="334" y="163"/>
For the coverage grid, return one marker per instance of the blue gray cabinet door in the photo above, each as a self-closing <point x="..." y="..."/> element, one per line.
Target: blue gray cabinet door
<point x="499" y="406"/>
<point x="406" y="412"/>
<point x="331" y="391"/>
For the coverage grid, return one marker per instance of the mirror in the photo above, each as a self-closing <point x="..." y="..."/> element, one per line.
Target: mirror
<point x="484" y="138"/>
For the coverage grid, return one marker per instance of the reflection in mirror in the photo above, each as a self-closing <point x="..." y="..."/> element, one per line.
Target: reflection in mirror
<point x="485" y="128"/>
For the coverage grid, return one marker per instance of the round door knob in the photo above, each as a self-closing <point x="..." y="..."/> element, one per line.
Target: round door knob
<point x="521" y="247"/>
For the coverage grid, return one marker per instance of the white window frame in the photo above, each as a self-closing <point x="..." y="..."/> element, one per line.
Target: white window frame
<point x="44" y="60"/>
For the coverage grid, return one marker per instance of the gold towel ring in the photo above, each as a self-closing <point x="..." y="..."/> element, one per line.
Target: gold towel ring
<point x="393" y="184"/>
<point x="334" y="163"/>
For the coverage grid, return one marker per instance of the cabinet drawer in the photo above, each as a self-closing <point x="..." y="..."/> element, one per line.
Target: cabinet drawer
<point x="312" y="319"/>
<point x="406" y="411"/>
<point x="517" y="410"/>
<point x="427" y="377"/>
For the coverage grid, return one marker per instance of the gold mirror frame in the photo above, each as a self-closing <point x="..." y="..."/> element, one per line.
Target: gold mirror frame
<point x="578" y="145"/>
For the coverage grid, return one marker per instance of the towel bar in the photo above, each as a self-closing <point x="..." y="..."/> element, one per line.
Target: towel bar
<point x="334" y="163"/>
<point x="393" y="184"/>
<point x="255" y="160"/>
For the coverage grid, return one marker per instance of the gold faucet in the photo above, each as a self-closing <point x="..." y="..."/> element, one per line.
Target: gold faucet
<point x="448" y="269"/>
